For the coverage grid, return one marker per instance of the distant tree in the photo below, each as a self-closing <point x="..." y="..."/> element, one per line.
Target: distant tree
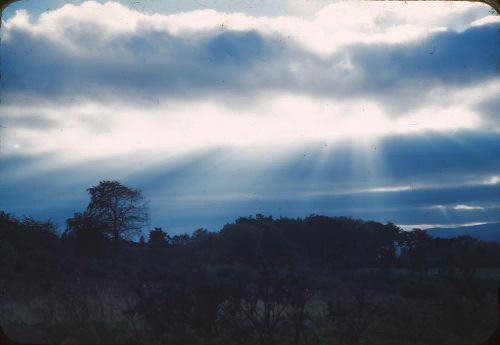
<point x="142" y="241"/>
<point x="86" y="234"/>
<point x="181" y="240"/>
<point x="121" y="208"/>
<point x="158" y="238"/>
<point x="27" y="235"/>
<point x="202" y="238"/>
<point x="416" y="247"/>
<point x="43" y="229"/>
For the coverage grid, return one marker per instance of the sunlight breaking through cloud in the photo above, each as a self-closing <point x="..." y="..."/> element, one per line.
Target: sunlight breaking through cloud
<point x="379" y="109"/>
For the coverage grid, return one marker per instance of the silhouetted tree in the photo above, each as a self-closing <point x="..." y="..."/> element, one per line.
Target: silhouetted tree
<point x="264" y="304"/>
<point x="203" y="239"/>
<point x="298" y="295"/>
<point x="121" y="208"/>
<point x="352" y="317"/>
<point x="142" y="241"/>
<point x="180" y="240"/>
<point x="86" y="234"/>
<point x="415" y="246"/>
<point x="158" y="238"/>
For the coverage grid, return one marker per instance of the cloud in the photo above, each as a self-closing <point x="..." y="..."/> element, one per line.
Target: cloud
<point x="124" y="54"/>
<point x="83" y="129"/>
<point x="493" y="180"/>
<point x="85" y="84"/>
<point x="468" y="208"/>
<point x="364" y="21"/>
<point x="488" y="107"/>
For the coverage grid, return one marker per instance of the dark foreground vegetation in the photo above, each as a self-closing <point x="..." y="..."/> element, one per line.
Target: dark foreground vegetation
<point x="259" y="280"/>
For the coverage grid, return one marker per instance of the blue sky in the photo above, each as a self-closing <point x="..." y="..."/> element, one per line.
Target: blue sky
<point x="219" y="109"/>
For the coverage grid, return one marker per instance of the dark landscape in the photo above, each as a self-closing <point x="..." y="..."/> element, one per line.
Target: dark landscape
<point x="259" y="280"/>
<point x="251" y="172"/>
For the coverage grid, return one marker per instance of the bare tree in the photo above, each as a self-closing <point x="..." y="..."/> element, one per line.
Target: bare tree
<point x="298" y="296"/>
<point x="352" y="318"/>
<point x="121" y="208"/>
<point x="265" y="304"/>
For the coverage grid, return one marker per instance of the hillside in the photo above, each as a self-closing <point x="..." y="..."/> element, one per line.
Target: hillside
<point x="484" y="232"/>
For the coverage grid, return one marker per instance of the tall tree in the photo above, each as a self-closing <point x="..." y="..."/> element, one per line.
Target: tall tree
<point x="121" y="208"/>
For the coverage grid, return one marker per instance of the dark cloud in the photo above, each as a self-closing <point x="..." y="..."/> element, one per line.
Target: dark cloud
<point x="449" y="57"/>
<point x="490" y="110"/>
<point x="403" y="75"/>
<point x="145" y="63"/>
<point x="232" y="63"/>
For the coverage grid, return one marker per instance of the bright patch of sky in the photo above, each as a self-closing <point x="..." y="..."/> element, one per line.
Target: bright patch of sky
<point x="218" y="109"/>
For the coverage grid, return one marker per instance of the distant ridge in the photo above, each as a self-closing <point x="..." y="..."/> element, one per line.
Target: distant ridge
<point x="485" y="232"/>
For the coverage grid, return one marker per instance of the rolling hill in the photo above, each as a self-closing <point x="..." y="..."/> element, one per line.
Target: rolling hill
<point x="485" y="232"/>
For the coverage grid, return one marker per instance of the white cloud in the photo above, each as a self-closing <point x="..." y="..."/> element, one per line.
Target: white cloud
<point x="459" y="207"/>
<point x="492" y="180"/>
<point x="86" y="129"/>
<point x="409" y="227"/>
<point x="439" y="207"/>
<point x="99" y="34"/>
<point x="335" y="25"/>
<point x="486" y="20"/>
<point x="462" y="207"/>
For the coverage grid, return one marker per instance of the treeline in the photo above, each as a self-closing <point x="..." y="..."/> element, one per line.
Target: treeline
<point x="329" y="242"/>
<point x="116" y="213"/>
<point x="336" y="243"/>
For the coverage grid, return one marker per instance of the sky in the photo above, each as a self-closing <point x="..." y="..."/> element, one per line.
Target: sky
<point x="217" y="109"/>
